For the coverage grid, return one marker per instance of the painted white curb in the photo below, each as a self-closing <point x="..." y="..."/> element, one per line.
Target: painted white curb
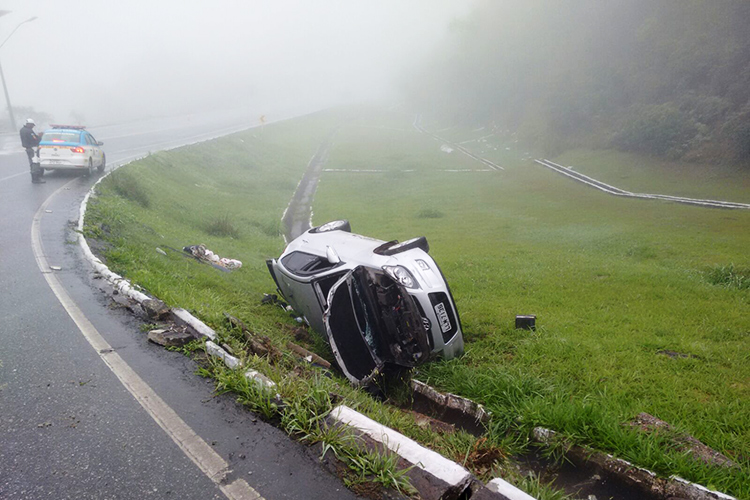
<point x="194" y="323"/>
<point x="508" y="490"/>
<point x="217" y="352"/>
<point x="120" y="283"/>
<point x="427" y="460"/>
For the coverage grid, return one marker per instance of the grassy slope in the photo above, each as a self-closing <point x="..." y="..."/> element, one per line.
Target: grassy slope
<point x="612" y="281"/>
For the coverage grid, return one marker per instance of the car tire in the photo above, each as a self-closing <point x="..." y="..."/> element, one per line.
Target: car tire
<point x="334" y="225"/>
<point x="393" y="249"/>
<point x="101" y="167"/>
<point x="91" y="166"/>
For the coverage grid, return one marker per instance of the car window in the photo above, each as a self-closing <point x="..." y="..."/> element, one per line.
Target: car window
<point x="59" y="136"/>
<point x="306" y="264"/>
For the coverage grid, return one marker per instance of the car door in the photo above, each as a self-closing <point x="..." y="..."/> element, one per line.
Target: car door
<point x="95" y="153"/>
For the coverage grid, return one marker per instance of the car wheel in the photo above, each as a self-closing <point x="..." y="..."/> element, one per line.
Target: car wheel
<point x="91" y="167"/>
<point x="101" y="167"/>
<point x="335" y="225"/>
<point x="419" y="242"/>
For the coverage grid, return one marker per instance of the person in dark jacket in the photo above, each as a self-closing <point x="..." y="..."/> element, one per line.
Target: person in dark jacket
<point x="29" y="140"/>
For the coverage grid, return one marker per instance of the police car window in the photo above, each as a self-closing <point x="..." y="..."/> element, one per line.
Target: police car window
<point x="60" y="136"/>
<point x="306" y="264"/>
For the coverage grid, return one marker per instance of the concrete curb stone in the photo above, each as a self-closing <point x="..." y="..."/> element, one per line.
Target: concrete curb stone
<point x="674" y="487"/>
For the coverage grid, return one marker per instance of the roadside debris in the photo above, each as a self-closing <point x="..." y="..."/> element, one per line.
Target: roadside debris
<point x="258" y="344"/>
<point x="308" y="356"/>
<point x="155" y="309"/>
<point x="203" y="254"/>
<point x="675" y="354"/>
<point x="171" y="337"/>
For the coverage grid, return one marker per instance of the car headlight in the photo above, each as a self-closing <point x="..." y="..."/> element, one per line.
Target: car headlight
<point x="401" y="275"/>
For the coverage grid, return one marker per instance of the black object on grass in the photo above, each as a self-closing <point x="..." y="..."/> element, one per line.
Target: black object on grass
<point x="526" y="322"/>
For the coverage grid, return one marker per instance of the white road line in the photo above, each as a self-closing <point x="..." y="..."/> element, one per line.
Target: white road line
<point x="14" y="175"/>
<point x="200" y="452"/>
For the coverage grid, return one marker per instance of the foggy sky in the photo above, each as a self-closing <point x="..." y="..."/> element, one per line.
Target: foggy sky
<point x="118" y="60"/>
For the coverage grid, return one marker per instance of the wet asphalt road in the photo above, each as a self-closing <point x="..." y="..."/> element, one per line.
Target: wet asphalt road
<point x="68" y="427"/>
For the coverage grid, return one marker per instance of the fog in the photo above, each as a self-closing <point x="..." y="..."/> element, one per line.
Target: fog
<point x="104" y="62"/>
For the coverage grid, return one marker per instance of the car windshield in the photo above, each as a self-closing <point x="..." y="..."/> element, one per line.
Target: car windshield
<point x="305" y="264"/>
<point x="60" y="136"/>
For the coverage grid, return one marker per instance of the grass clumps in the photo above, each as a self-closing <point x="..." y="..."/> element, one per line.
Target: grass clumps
<point x="223" y="227"/>
<point x="430" y="213"/>
<point x="729" y="276"/>
<point x="300" y="409"/>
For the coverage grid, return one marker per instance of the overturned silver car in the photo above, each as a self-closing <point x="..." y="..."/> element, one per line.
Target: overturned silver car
<point x="376" y="302"/>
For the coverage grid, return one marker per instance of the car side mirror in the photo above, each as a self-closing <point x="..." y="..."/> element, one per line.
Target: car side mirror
<point x="332" y="256"/>
<point x="100" y="143"/>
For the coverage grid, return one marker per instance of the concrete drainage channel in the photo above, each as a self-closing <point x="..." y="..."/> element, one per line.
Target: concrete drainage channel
<point x="434" y="476"/>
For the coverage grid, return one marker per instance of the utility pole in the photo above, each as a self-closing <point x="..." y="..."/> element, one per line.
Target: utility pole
<point x="2" y="76"/>
<point x="7" y="100"/>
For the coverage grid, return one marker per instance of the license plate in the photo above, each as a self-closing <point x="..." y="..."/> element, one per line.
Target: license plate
<point x="55" y="162"/>
<point x="445" y="323"/>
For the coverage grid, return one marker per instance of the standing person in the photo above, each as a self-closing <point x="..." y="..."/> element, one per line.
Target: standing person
<point x="30" y="140"/>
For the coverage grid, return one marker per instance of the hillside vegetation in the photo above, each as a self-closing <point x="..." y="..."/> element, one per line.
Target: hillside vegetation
<point x="669" y="78"/>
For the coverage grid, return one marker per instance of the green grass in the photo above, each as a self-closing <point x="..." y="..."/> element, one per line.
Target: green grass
<point x="612" y="281"/>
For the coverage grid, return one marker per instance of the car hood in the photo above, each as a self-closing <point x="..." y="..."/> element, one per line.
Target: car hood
<point x="372" y="320"/>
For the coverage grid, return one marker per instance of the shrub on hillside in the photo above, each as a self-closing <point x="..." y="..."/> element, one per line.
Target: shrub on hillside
<point x="737" y="133"/>
<point x="660" y="129"/>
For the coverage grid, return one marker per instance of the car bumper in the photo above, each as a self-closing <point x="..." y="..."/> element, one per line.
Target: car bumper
<point x="450" y="345"/>
<point x="76" y="164"/>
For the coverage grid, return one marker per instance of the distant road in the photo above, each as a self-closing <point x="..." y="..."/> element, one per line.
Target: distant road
<point x="68" y="426"/>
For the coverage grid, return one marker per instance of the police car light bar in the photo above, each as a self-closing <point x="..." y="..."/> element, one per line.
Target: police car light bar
<point x="74" y="127"/>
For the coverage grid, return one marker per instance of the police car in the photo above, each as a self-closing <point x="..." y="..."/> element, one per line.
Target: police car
<point x="377" y="303"/>
<point x="71" y="147"/>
